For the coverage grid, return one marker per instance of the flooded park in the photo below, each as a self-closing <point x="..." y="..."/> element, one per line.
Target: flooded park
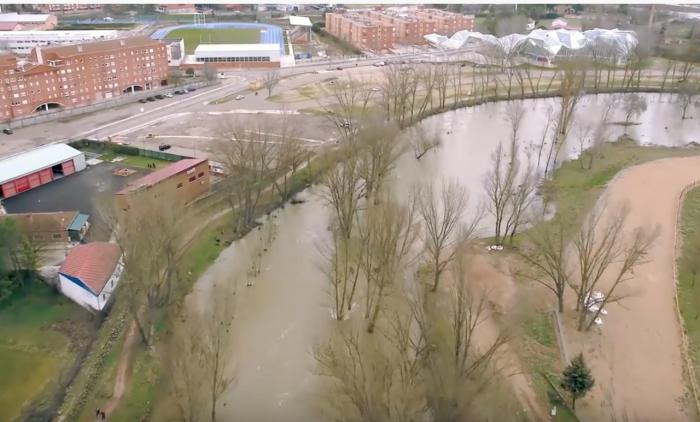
<point x="285" y="310"/>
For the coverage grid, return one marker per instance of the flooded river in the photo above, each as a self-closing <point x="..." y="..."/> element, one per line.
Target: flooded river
<point x="285" y="311"/>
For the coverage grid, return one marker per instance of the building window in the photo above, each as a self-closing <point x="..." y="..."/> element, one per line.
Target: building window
<point x="192" y="178"/>
<point x="179" y="185"/>
<point x="200" y="175"/>
<point x="57" y="235"/>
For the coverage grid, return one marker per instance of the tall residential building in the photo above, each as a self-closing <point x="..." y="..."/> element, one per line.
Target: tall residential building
<point x="80" y="74"/>
<point x="70" y="8"/>
<point x="406" y="25"/>
<point x="361" y="31"/>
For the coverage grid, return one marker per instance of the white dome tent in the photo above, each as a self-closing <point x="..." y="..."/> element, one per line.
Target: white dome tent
<point x="543" y="46"/>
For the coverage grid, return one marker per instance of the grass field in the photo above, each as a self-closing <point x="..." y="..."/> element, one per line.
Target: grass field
<point x="194" y="37"/>
<point x="33" y="350"/>
<point x="134" y="160"/>
<point x="688" y="262"/>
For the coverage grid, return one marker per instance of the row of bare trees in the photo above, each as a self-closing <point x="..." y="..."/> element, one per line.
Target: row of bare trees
<point x="426" y="360"/>
<point x="258" y="156"/>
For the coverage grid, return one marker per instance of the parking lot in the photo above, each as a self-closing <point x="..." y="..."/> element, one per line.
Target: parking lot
<point x="79" y="192"/>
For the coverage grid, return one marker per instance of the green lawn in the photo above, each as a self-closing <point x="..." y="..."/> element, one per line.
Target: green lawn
<point x="575" y="190"/>
<point x="33" y="351"/>
<point x="134" y="160"/>
<point x="689" y="261"/>
<point x="194" y="37"/>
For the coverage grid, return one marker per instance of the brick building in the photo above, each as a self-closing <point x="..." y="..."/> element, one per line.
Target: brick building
<point x="79" y="74"/>
<point x="69" y="8"/>
<point x="380" y="29"/>
<point x="183" y="181"/>
<point x="361" y="31"/>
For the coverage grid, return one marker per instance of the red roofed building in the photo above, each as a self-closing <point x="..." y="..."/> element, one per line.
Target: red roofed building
<point x="10" y="26"/>
<point x="90" y="274"/>
<point x="183" y="180"/>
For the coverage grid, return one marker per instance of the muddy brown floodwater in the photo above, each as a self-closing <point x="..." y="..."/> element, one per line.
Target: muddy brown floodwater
<point x="286" y="311"/>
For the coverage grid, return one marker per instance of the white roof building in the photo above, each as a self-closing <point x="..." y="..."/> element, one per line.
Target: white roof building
<point x="237" y="52"/>
<point x="22" y="42"/>
<point x="23" y="18"/>
<point x="300" y="21"/>
<point x="609" y="44"/>
<point x="23" y="164"/>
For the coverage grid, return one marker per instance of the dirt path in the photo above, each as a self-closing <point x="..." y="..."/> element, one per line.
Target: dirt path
<point x="122" y="370"/>
<point x="637" y="356"/>
<point x="501" y="290"/>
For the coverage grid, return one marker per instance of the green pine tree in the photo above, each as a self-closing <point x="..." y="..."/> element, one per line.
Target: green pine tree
<point x="577" y="379"/>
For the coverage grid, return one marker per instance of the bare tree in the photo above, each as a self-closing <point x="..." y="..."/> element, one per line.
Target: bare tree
<point x="573" y="77"/>
<point x="349" y="105"/>
<point x="421" y="142"/>
<point x="151" y="248"/>
<point x="687" y="91"/>
<point x="598" y="245"/>
<point x="548" y="123"/>
<point x="199" y="355"/>
<point x="544" y="252"/>
<point x="388" y="233"/>
<point x="344" y="192"/>
<point x="498" y="183"/>
<point x="443" y="230"/>
<point x="378" y="149"/>
<point x="270" y="80"/>
<point x="289" y="156"/>
<point x="633" y="105"/>
<point x="249" y="158"/>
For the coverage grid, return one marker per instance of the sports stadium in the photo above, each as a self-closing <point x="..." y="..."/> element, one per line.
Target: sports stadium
<point x="227" y="44"/>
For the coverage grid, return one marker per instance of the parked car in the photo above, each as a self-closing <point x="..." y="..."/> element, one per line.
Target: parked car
<point x="191" y="89"/>
<point x="375" y="89"/>
<point x="169" y="95"/>
<point x="160" y="96"/>
<point x="339" y="68"/>
<point x="179" y="92"/>
<point x="185" y="91"/>
<point x="345" y="124"/>
<point x="151" y="99"/>
<point x="143" y="100"/>
<point x="8" y="131"/>
<point x="163" y="147"/>
<point x="380" y="64"/>
<point x="239" y="97"/>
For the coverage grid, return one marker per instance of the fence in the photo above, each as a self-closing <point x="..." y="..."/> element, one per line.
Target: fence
<point x="99" y="146"/>
<point x="49" y="116"/>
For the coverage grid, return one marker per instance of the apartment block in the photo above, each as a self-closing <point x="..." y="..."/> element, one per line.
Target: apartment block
<point x="405" y="26"/>
<point x="76" y="75"/>
<point x="70" y="8"/>
<point x="361" y="31"/>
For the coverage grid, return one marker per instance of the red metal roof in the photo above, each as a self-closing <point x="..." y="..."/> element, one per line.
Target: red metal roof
<point x="92" y="263"/>
<point x="8" y="26"/>
<point x="160" y="175"/>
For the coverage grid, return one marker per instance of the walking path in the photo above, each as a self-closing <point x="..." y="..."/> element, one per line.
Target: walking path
<point x="637" y="356"/>
<point x="122" y="370"/>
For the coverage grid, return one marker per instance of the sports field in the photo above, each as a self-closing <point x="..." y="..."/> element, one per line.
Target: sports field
<point x="193" y="36"/>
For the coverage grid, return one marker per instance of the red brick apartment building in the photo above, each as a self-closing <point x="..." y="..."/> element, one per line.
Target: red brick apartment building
<point x="80" y="74"/>
<point x="69" y="8"/>
<point x="361" y="31"/>
<point x="361" y="28"/>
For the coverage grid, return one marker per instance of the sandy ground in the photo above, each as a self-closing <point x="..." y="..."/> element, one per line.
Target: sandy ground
<point x="485" y="276"/>
<point x="636" y="356"/>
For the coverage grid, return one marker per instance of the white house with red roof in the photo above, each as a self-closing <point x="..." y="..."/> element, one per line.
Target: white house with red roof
<point x="90" y="274"/>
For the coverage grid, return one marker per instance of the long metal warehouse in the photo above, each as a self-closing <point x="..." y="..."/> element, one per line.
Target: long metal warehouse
<point x="27" y="170"/>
